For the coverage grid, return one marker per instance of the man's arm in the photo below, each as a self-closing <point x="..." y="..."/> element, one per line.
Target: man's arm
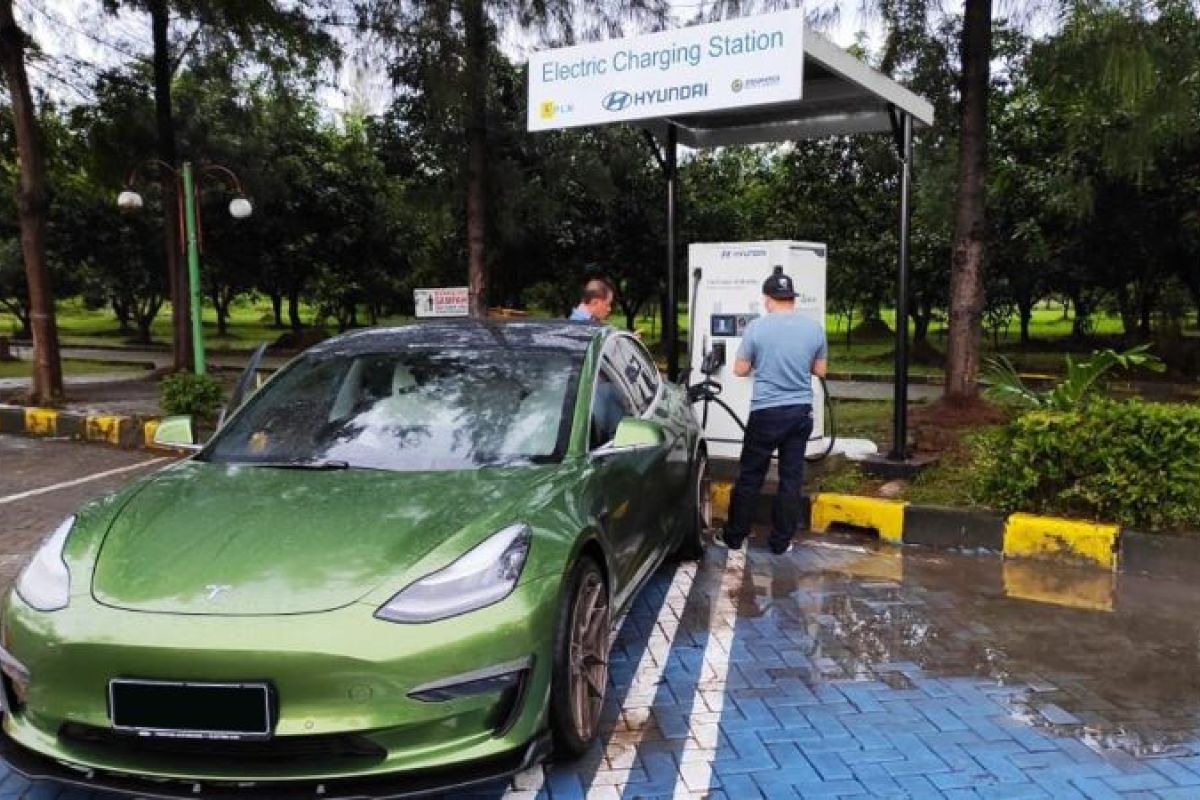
<point x="821" y="360"/>
<point x="743" y="363"/>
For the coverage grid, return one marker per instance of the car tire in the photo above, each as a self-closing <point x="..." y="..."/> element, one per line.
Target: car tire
<point x="699" y="509"/>
<point x="581" y="647"/>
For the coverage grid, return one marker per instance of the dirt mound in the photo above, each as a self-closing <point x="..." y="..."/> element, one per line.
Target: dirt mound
<point x="871" y="330"/>
<point x="938" y="427"/>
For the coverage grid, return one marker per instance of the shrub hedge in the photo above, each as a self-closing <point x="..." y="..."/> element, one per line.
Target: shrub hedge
<point x="1131" y="462"/>
<point x="186" y="393"/>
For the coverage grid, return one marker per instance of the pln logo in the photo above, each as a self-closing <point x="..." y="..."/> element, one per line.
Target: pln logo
<point x="617" y="101"/>
<point x="549" y="109"/>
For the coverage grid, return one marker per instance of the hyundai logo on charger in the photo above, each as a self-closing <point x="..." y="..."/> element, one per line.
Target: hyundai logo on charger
<point x="617" y="101"/>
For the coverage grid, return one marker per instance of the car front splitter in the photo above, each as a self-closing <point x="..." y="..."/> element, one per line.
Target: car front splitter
<point x="417" y="783"/>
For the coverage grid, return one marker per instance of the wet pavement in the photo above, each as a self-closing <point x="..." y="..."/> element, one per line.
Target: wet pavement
<point x="853" y="669"/>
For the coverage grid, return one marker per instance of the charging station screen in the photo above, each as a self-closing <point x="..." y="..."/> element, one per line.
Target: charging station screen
<point x="730" y="324"/>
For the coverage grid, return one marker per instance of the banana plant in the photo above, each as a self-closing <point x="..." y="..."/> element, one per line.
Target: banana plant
<point x="1081" y="378"/>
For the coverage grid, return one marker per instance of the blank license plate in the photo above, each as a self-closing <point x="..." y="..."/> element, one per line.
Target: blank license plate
<point x="192" y="710"/>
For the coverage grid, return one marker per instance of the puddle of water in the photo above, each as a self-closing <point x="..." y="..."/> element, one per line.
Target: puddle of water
<point x="1078" y="652"/>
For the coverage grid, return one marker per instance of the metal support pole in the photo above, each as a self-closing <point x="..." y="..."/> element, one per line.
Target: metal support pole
<point x="900" y="399"/>
<point x="193" y="263"/>
<point x="671" y="320"/>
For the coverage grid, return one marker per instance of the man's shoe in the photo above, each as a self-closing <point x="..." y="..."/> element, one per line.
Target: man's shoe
<point x="779" y="551"/>
<point x="720" y="540"/>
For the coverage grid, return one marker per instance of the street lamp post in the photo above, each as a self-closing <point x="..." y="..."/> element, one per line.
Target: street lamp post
<point x="239" y="208"/>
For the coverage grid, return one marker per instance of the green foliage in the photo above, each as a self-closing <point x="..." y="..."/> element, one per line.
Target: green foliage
<point x="1080" y="381"/>
<point x="1132" y="462"/>
<point x="187" y="393"/>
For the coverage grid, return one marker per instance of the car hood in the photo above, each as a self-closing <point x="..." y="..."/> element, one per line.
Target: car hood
<point x="241" y="540"/>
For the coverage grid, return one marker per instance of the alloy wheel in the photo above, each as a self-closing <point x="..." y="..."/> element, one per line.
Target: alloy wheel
<point x="589" y="654"/>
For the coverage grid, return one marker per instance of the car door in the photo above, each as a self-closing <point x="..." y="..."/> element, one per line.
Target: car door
<point x="617" y="477"/>
<point x="664" y="472"/>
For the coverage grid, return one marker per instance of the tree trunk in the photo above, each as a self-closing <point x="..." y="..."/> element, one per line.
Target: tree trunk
<point x="1025" y="311"/>
<point x="294" y="310"/>
<point x="33" y="207"/>
<point x="277" y="308"/>
<point x="121" y="312"/>
<point x="181" y="332"/>
<point x="222" y="308"/>
<point x="474" y="22"/>
<point x="966" y="268"/>
<point x="921" y="319"/>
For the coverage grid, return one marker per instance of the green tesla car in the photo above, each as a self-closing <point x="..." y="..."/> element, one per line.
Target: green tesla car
<point x="394" y="569"/>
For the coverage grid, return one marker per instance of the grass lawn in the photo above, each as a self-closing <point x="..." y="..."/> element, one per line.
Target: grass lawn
<point x="947" y="483"/>
<point x="23" y="369"/>
<point x="250" y="324"/>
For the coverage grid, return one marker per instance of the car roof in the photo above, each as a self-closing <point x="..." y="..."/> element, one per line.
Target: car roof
<point x="574" y="337"/>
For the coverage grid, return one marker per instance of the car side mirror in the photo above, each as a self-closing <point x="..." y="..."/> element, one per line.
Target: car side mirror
<point x="176" y="433"/>
<point x="633" y="435"/>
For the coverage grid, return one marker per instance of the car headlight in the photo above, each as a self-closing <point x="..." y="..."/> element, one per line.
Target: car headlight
<point x="486" y="574"/>
<point x="45" y="584"/>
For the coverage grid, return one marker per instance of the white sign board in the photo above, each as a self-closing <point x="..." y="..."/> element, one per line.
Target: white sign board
<point x="733" y="64"/>
<point x="452" y="301"/>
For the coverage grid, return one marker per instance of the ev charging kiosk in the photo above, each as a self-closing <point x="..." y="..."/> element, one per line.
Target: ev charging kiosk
<point x="725" y="295"/>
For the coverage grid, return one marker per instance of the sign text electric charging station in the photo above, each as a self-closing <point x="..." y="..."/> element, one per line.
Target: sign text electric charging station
<point x="744" y="62"/>
<point x="725" y="296"/>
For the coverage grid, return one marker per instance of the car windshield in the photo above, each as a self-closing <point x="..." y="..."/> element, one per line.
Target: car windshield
<point x="409" y="410"/>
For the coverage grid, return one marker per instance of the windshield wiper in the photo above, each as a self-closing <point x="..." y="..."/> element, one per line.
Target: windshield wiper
<point x="320" y="465"/>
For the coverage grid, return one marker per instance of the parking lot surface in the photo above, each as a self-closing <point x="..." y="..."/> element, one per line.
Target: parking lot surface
<point x="848" y="669"/>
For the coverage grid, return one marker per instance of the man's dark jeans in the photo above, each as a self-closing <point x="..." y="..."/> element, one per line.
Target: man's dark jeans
<point x="786" y="429"/>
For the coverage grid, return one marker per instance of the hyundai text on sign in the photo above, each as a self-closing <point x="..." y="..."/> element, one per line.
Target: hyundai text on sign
<point x="744" y="62"/>
<point x="447" y="302"/>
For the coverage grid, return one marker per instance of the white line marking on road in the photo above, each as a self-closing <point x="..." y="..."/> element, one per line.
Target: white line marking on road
<point x="12" y="498"/>
<point x="708" y="702"/>
<point x="621" y="744"/>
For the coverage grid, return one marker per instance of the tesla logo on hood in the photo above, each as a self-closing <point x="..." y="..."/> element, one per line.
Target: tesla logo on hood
<point x="215" y="589"/>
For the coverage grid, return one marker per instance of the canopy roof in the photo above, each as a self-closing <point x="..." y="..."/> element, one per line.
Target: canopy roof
<point x="842" y="96"/>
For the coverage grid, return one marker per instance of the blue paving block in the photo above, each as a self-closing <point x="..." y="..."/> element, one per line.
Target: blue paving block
<point x="42" y="790"/>
<point x="1144" y="781"/>
<point x="849" y="788"/>
<point x="918" y="786"/>
<point x="957" y="780"/>
<point x="1178" y="774"/>
<point x="1181" y="793"/>
<point x="825" y="724"/>
<point x="563" y="785"/>
<point x="1095" y="789"/>
<point x="14" y="783"/>
<point x="941" y="717"/>
<point x="1010" y="791"/>
<point x="829" y="765"/>
<point x="960" y="794"/>
<point x="748" y="754"/>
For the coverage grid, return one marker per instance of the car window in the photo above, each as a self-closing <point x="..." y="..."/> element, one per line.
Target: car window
<point x="610" y="404"/>
<point x="409" y="410"/>
<point x="639" y="371"/>
<point x="650" y="376"/>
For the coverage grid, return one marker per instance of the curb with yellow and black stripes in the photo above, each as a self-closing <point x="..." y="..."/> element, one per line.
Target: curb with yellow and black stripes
<point x="117" y="430"/>
<point x="1019" y="536"/>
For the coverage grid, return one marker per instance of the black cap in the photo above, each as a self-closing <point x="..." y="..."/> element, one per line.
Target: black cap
<point x="779" y="286"/>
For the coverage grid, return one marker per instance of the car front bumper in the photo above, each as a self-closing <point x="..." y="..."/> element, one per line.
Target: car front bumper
<point x="343" y="682"/>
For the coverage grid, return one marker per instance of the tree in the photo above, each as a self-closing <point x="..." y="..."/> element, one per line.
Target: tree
<point x="446" y="52"/>
<point x="33" y="204"/>
<point x="970" y="217"/>
<point x="274" y="35"/>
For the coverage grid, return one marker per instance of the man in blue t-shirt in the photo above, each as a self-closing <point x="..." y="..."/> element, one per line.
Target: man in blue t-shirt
<point x="596" y="302"/>
<point x="783" y="350"/>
